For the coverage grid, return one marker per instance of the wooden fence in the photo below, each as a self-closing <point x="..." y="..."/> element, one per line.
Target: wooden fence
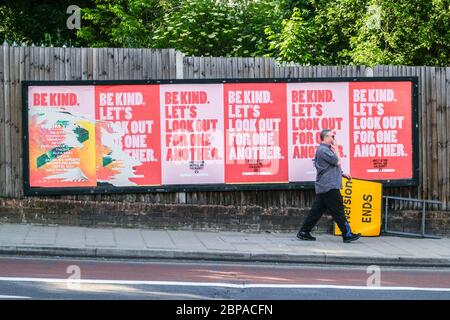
<point x="42" y="63"/>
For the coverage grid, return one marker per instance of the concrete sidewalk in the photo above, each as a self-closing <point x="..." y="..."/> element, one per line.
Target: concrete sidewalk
<point x="27" y="239"/>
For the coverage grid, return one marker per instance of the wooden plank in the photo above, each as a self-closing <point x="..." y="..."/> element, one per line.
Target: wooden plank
<point x="135" y="67"/>
<point x="35" y="63"/>
<point x="188" y="67"/>
<point x="135" y="63"/>
<point x="223" y="68"/>
<point x="265" y="68"/>
<point x="13" y="63"/>
<point x="428" y="133"/>
<point x="437" y="89"/>
<point x="296" y="72"/>
<point x="235" y="72"/>
<point x="47" y="55"/>
<point x="41" y="63"/>
<point x="16" y="109"/>
<point x="208" y="66"/>
<point x="257" y="67"/>
<point x="22" y="76"/>
<point x="78" y="69"/>
<point x="72" y="63"/>
<point x="126" y="64"/>
<point x="84" y="66"/>
<point x="246" y="65"/>
<point x="220" y="68"/>
<point x="201" y="67"/>
<point x="213" y="68"/>
<point x="442" y="156"/>
<point x="434" y="138"/>
<point x="132" y="57"/>
<point x="277" y="71"/>
<point x="423" y="133"/>
<point x="110" y="54"/>
<point x="2" y="124"/>
<point x="26" y="63"/>
<point x="145" y="64"/>
<point x="120" y="72"/>
<point x="115" y="63"/>
<point x="139" y="61"/>
<point x="7" y="120"/>
<point x="196" y="68"/>
<point x="67" y="59"/>
<point x="153" y="64"/>
<point x="56" y="63"/>
<point x="95" y="64"/>
<point x="158" y="65"/>
<point x="229" y="67"/>
<point x="90" y="63"/>
<point x="447" y="134"/>
<point x="52" y="62"/>
<point x="164" y="64"/>
<point x="103" y="63"/>
<point x="172" y="64"/>
<point x="62" y="64"/>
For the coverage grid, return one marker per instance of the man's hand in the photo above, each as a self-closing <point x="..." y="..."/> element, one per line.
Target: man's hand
<point x="335" y="149"/>
<point x="347" y="176"/>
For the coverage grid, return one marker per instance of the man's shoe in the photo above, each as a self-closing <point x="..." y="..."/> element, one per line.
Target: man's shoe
<point x="305" y="236"/>
<point x="352" y="237"/>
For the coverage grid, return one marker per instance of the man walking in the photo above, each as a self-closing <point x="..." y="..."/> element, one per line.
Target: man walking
<point x="327" y="186"/>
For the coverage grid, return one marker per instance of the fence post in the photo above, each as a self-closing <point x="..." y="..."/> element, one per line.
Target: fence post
<point x="179" y="64"/>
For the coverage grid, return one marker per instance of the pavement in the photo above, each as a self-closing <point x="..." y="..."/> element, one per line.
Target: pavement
<point x="69" y="241"/>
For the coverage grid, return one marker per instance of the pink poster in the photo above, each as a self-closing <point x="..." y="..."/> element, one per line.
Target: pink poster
<point x="192" y="133"/>
<point x="313" y="107"/>
<point x="381" y="144"/>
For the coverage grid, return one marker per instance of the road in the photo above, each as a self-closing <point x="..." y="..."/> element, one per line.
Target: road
<point x="61" y="278"/>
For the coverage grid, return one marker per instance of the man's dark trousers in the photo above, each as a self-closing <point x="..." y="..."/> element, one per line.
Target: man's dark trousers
<point x="331" y="200"/>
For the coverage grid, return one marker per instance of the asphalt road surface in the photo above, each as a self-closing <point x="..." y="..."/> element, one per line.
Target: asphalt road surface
<point x="62" y="278"/>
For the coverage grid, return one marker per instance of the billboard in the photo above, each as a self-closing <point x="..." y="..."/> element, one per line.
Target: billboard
<point x="182" y="135"/>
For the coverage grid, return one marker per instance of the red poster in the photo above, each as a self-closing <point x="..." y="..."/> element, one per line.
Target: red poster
<point x="128" y="135"/>
<point x="256" y="144"/>
<point x="380" y="130"/>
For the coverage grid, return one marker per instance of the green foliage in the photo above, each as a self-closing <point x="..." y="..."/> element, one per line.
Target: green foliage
<point x="40" y="22"/>
<point x="293" y="42"/>
<point x="369" y="32"/>
<point x="121" y="23"/>
<point x="409" y="33"/>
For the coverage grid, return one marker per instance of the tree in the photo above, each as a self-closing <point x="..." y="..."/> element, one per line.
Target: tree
<point x="409" y="33"/>
<point x="38" y="22"/>
<point x="195" y="27"/>
<point x="317" y="32"/>
<point x="122" y="23"/>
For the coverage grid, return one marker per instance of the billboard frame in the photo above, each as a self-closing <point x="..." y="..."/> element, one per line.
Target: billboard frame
<point x="108" y="189"/>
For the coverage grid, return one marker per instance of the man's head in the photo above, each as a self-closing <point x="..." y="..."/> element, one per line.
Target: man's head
<point x="327" y="136"/>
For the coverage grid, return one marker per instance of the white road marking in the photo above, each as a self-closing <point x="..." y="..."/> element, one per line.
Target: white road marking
<point x="13" y="297"/>
<point x="219" y="284"/>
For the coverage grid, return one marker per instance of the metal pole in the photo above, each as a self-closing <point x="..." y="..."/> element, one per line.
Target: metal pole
<point x="423" y="219"/>
<point x="386" y="216"/>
